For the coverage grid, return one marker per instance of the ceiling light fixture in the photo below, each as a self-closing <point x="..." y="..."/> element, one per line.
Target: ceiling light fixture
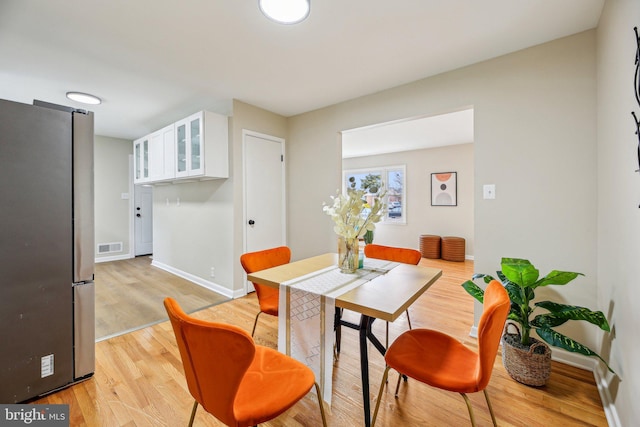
<point x="285" y="11"/>
<point x="85" y="98"/>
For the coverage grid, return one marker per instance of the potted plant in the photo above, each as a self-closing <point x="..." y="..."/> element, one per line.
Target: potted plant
<point x="527" y="359"/>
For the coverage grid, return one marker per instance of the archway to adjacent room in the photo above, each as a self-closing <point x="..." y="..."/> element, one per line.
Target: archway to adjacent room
<point x="405" y="153"/>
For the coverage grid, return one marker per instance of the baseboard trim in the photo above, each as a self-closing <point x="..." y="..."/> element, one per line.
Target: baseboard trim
<point x="608" y="403"/>
<point x="113" y="258"/>
<point x="195" y="279"/>
<point x="589" y="364"/>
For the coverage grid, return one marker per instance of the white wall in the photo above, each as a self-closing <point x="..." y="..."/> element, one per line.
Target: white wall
<point x="192" y="231"/>
<point x="535" y="139"/>
<point x="111" y="180"/>
<point x="422" y="218"/>
<point x="618" y="200"/>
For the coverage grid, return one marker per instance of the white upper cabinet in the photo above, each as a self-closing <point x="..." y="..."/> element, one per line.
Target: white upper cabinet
<point x="162" y="154"/>
<point x="196" y="147"/>
<point x="141" y="160"/>
<point x="202" y="146"/>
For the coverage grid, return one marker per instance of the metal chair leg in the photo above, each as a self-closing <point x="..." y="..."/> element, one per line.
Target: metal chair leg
<point x="324" y="419"/>
<point x="468" y="402"/>
<point x="255" y="323"/>
<point x="409" y="319"/>
<point x="193" y="413"/>
<point x="493" y="417"/>
<point x="384" y="380"/>
<point x="398" y="384"/>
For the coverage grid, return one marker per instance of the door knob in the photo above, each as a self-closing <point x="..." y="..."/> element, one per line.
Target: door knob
<point x="251" y="222"/>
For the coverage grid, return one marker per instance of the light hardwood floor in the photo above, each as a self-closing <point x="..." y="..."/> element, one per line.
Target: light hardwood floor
<point x="139" y="378"/>
<point x="129" y="295"/>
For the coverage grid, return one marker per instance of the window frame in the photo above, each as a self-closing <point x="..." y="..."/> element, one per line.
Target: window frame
<point x="384" y="172"/>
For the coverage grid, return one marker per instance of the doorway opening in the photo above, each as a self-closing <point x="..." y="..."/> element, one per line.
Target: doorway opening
<point x="404" y="155"/>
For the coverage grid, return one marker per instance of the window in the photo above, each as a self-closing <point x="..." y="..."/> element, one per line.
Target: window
<point x="389" y="178"/>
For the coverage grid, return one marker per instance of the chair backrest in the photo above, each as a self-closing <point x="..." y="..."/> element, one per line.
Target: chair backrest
<point x="494" y="315"/>
<point x="390" y="253"/>
<point x="261" y="260"/>
<point x="215" y="357"/>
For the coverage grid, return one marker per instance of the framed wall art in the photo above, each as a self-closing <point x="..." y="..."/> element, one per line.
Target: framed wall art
<point x="444" y="189"/>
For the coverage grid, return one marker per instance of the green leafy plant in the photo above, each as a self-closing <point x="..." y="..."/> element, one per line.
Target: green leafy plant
<point x="521" y="278"/>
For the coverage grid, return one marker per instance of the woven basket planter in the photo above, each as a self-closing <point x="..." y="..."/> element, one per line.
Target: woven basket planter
<point x="527" y="366"/>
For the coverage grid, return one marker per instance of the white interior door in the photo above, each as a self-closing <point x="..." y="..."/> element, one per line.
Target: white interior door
<point x="264" y="191"/>
<point x="143" y="219"/>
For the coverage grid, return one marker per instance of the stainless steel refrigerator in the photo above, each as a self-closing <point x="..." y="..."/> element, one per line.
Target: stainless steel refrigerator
<point x="47" y="326"/>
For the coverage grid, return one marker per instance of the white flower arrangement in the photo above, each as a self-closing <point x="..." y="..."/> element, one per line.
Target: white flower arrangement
<point x="346" y="212"/>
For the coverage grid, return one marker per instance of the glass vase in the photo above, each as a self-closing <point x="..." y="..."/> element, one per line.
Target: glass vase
<point x="348" y="249"/>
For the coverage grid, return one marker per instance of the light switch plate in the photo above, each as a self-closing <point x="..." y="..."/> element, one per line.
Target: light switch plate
<point x="489" y="191"/>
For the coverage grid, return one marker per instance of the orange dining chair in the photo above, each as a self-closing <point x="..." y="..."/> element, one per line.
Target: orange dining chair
<point x="441" y="361"/>
<point x="268" y="298"/>
<point x="390" y="253"/>
<point x="235" y="380"/>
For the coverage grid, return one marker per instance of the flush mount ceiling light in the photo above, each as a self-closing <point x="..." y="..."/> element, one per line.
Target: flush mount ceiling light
<point x="85" y="98"/>
<point x="285" y="11"/>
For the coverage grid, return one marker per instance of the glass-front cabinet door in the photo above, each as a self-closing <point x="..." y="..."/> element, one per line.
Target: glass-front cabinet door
<point x="181" y="149"/>
<point x="189" y="146"/>
<point x="141" y="159"/>
<point x="195" y="134"/>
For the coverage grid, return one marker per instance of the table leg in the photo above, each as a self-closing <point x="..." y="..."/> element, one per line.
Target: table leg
<point x="365" y="333"/>
<point x="337" y="325"/>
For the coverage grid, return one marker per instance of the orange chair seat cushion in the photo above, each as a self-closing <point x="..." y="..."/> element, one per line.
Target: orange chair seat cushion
<point x="272" y="384"/>
<point x="268" y="298"/>
<point x="436" y="359"/>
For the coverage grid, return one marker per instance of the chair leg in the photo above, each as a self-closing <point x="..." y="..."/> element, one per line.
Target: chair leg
<point x="384" y="380"/>
<point x="398" y="384"/>
<point x="468" y="402"/>
<point x="493" y="417"/>
<point x="409" y="319"/>
<point x="324" y="420"/>
<point x="193" y="413"/>
<point x="255" y="323"/>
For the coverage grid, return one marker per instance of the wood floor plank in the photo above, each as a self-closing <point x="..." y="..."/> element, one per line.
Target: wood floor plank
<point x="139" y="379"/>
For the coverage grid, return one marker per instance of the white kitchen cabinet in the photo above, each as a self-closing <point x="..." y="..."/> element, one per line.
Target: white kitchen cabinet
<point x="162" y="154"/>
<point x="196" y="147"/>
<point x="202" y="146"/>
<point x="141" y="160"/>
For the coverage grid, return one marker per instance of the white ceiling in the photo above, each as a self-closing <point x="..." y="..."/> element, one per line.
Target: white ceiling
<point x="411" y="134"/>
<point x="156" y="61"/>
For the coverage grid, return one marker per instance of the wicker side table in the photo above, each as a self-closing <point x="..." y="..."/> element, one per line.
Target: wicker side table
<point x="430" y="246"/>
<point x="453" y="248"/>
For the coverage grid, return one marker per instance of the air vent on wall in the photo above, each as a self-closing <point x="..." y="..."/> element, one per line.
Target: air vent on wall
<point x="109" y="248"/>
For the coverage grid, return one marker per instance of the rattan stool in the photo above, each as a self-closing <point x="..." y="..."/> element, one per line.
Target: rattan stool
<point x="430" y="246"/>
<point x="453" y="248"/>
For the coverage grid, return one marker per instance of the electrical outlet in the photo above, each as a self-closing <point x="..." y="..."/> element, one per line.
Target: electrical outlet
<point x="213" y="272"/>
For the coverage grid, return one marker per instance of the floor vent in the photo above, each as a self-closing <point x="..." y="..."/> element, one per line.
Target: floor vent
<point x="109" y="248"/>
